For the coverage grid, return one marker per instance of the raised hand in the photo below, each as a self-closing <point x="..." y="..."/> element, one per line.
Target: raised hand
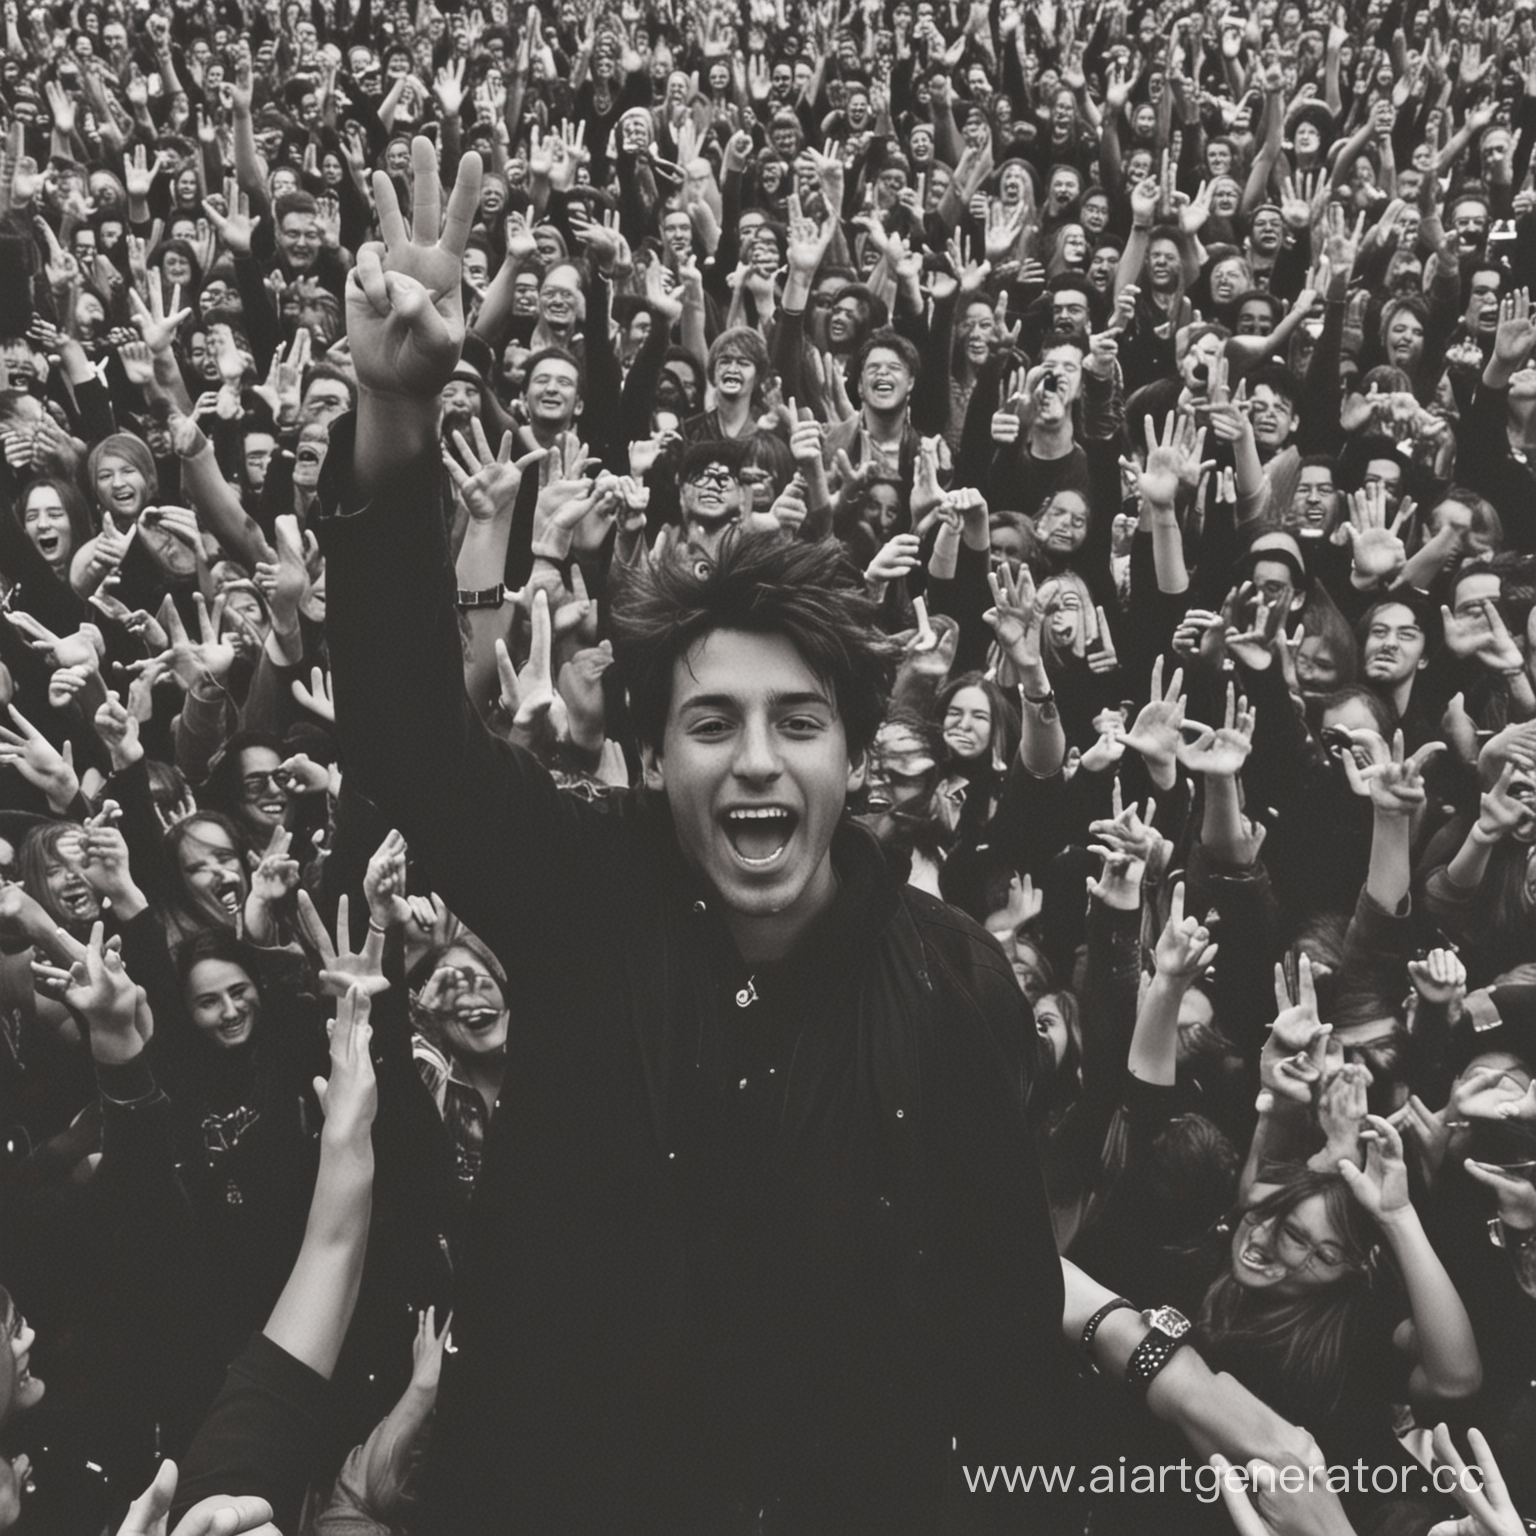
<point x="1222" y="752"/>
<point x="1341" y="1110"/>
<point x="1484" y="1495"/>
<point x="1397" y="784"/>
<point x="1500" y="813"/>
<point x="1378" y="548"/>
<point x="384" y="883"/>
<point x="158" y="321"/>
<point x="39" y="762"/>
<point x="1015" y="615"/>
<point x="237" y="227"/>
<point x="217" y="1515"/>
<point x="1156" y="732"/>
<point x="101" y="992"/>
<point x="1174" y="461"/>
<point x="316" y="698"/>
<point x="405" y="310"/>
<point x="1291" y="1063"/>
<point x="341" y="970"/>
<point x="487" y="483"/>
<point x="1381" y="1186"/>
<point x="1184" y="951"/>
<point x="350" y="1096"/>
<point x="1439" y="978"/>
<point x="273" y="872"/>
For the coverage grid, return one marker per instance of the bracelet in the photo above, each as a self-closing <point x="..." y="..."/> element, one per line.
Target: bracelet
<point x="376" y="927"/>
<point x="1091" y="1327"/>
<point x="483" y="597"/>
<point x="1048" y="697"/>
<point x="1167" y="1332"/>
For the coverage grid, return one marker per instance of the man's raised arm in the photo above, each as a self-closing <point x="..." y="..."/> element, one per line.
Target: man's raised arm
<point x="410" y="739"/>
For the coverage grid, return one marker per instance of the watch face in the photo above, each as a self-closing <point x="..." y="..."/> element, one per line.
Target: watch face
<point x="1167" y="1320"/>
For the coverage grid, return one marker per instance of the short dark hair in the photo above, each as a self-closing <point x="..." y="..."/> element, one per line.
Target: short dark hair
<point x="763" y="584"/>
<point x="889" y="341"/>
<point x="1280" y="379"/>
<point x="545" y="353"/>
<point x="293" y="202"/>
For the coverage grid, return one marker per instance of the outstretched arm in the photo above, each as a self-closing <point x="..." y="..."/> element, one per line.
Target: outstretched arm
<point x="391" y="620"/>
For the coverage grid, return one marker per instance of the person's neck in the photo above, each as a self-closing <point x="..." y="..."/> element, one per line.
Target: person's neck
<point x="545" y="435"/>
<point x="885" y="427"/>
<point x="760" y="940"/>
<point x="1400" y="695"/>
<point x="484" y="1074"/>
<point x="706" y="537"/>
<point x="1052" y="439"/>
<point x="735" y="414"/>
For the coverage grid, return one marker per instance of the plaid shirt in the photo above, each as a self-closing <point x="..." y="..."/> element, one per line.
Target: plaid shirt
<point x="460" y="1105"/>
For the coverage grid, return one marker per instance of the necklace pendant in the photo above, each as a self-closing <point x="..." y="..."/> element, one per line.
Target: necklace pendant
<point x="748" y="994"/>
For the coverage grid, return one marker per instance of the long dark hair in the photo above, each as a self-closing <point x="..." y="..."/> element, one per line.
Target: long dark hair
<point x="1306" y="1337"/>
<point x="186" y="912"/>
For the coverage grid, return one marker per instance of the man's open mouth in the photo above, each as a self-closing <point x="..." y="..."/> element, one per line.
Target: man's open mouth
<point x="758" y="835"/>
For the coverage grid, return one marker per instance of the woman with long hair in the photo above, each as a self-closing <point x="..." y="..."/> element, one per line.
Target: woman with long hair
<point x="981" y="736"/>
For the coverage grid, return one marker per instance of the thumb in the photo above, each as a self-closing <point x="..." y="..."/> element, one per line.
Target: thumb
<point x="320" y="1085"/>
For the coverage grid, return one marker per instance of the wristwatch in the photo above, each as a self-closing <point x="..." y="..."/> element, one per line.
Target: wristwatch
<point x="1168" y="1330"/>
<point x="1514" y="1239"/>
<point x="483" y="597"/>
<point x="1091" y="1327"/>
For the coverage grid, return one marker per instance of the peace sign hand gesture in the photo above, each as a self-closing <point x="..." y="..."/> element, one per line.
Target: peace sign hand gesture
<point x="405" y="311"/>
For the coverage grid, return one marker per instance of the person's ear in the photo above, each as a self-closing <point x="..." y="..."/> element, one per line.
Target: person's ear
<point x="650" y="767"/>
<point x="858" y="771"/>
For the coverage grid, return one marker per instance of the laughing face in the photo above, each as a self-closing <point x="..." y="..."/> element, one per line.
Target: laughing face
<point x="754" y="763"/>
<point x="120" y="487"/>
<point x="968" y="724"/>
<point x="211" y="866"/>
<point x="473" y="1018"/>
<point x="1290" y="1252"/>
<point x="223" y="1002"/>
<point x="69" y="892"/>
<point x="47" y="525"/>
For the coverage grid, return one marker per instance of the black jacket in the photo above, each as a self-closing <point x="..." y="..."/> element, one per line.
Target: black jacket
<point x="764" y="1251"/>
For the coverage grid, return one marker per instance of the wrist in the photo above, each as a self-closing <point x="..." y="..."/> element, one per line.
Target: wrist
<point x="1400" y="1223"/>
<point x="1485" y="836"/>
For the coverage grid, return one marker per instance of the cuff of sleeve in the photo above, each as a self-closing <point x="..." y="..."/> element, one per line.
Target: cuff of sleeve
<point x="126" y="1082"/>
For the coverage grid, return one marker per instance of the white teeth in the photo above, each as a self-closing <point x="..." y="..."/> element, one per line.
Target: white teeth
<point x="769" y="814"/>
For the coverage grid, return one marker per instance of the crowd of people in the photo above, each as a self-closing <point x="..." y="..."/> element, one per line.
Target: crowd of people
<point x="755" y="752"/>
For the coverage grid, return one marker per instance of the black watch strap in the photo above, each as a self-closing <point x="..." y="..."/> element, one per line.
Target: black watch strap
<point x="1091" y="1327"/>
<point x="1150" y="1356"/>
<point x="483" y="597"/>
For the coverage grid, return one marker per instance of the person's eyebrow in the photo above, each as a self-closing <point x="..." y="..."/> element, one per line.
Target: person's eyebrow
<point x="775" y="701"/>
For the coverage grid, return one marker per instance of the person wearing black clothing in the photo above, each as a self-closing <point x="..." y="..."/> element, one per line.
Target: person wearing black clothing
<point x="759" y="1226"/>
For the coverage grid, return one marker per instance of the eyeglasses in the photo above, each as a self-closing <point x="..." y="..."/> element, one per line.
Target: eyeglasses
<point x="1295" y="1249"/>
<point x="256" y="782"/>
